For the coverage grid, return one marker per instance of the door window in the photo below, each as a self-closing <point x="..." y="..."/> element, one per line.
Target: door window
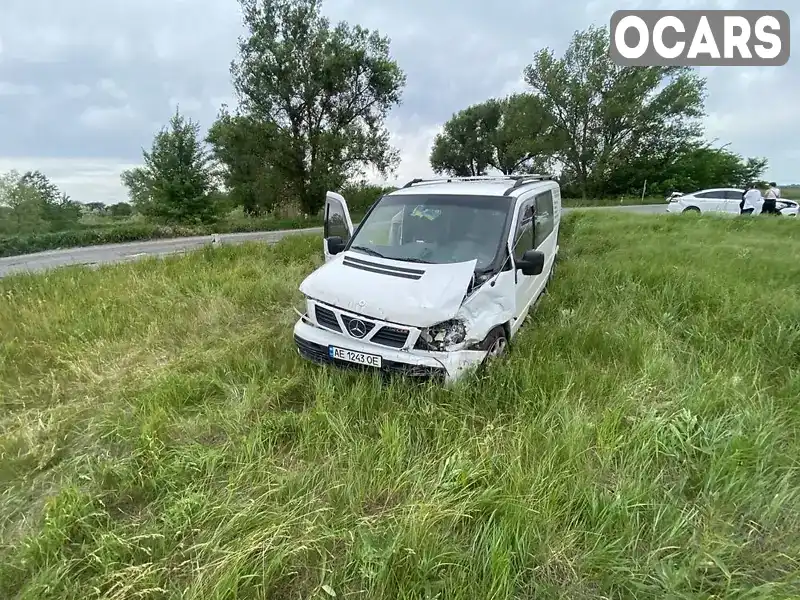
<point x="335" y="222"/>
<point x="523" y="238"/>
<point x="545" y="221"/>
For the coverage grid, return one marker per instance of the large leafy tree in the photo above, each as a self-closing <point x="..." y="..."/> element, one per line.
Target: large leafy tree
<point x="324" y="92"/>
<point x="465" y="147"/>
<point x="243" y="146"/>
<point x="176" y="183"/>
<point x="515" y="134"/>
<point x="526" y="139"/>
<point x="608" y="114"/>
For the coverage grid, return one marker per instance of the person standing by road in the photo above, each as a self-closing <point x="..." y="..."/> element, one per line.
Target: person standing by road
<point x="770" y="198"/>
<point x="749" y="199"/>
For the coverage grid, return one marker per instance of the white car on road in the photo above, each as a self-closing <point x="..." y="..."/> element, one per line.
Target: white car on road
<point x="722" y="200"/>
<point x="437" y="277"/>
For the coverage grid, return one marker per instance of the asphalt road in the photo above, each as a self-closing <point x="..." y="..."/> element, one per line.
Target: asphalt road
<point x="116" y="253"/>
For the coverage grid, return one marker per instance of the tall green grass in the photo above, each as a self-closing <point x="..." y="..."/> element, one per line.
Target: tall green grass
<point x="160" y="437"/>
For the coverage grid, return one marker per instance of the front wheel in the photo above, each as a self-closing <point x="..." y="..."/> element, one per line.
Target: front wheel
<point x="692" y="209"/>
<point x="495" y="344"/>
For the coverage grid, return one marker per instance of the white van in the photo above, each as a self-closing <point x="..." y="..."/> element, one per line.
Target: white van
<point x="438" y="276"/>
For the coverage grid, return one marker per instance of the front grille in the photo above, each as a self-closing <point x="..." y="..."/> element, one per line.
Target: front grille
<point x="326" y="318"/>
<point x="391" y="337"/>
<point x="348" y="325"/>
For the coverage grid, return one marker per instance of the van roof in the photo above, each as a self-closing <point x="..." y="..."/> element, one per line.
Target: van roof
<point x="497" y="186"/>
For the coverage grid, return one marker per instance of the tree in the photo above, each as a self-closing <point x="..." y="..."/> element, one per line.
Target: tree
<point x="120" y="209"/>
<point x="360" y="195"/>
<point x="693" y="167"/>
<point x="177" y="179"/>
<point x="702" y="166"/>
<point x="515" y="134"/>
<point x="242" y="146"/>
<point x="35" y="204"/>
<point x="526" y="139"/>
<point x="137" y="181"/>
<point x="47" y="190"/>
<point x="25" y="207"/>
<point x="96" y="207"/>
<point x="59" y="209"/>
<point x="465" y="146"/>
<point x="325" y="90"/>
<point x="608" y="115"/>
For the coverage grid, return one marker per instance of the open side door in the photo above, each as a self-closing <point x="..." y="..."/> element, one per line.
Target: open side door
<point x="337" y="224"/>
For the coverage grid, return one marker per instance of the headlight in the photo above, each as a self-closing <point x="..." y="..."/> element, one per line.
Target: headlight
<point x="442" y="336"/>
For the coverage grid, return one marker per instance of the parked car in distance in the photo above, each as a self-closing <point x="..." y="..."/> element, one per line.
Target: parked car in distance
<point x="437" y="277"/>
<point x="787" y="208"/>
<point x="722" y="200"/>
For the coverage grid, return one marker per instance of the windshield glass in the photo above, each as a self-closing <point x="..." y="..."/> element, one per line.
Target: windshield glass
<point x="435" y="228"/>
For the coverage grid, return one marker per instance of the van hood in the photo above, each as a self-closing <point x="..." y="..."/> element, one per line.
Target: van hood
<point x="406" y="293"/>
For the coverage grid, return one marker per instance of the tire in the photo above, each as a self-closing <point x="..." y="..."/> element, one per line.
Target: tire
<point x="691" y="209"/>
<point x="495" y="344"/>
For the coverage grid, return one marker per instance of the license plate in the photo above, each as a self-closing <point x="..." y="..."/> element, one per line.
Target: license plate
<point x="369" y="360"/>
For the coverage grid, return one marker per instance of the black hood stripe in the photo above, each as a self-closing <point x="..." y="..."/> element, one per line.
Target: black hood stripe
<point x="357" y="263"/>
<point x="381" y="271"/>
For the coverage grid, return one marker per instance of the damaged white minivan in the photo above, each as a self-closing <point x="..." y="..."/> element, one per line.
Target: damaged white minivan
<point x="435" y="280"/>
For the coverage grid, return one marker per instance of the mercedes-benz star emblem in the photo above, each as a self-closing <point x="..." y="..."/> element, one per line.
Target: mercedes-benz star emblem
<point x="357" y="328"/>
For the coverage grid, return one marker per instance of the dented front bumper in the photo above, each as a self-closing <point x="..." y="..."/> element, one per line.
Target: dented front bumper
<point x="313" y="342"/>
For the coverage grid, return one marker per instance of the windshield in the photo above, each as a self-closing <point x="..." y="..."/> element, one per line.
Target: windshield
<point x="435" y="228"/>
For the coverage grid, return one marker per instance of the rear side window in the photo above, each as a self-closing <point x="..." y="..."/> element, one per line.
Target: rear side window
<point x="718" y="195"/>
<point x="545" y="221"/>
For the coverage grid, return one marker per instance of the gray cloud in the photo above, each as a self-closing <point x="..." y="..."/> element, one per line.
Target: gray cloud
<point x="82" y="91"/>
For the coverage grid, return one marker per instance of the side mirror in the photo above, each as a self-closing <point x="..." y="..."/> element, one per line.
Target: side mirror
<point x="335" y="244"/>
<point x="532" y="263"/>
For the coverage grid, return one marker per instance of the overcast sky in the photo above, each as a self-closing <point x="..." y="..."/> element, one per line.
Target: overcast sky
<point x="84" y="84"/>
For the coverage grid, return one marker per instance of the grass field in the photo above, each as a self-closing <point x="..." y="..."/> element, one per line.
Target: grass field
<point x="793" y="193"/>
<point x="160" y="437"/>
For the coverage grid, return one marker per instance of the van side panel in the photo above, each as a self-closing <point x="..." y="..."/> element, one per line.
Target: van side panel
<point x="529" y="289"/>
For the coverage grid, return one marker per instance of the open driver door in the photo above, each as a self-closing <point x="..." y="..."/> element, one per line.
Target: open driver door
<point x="337" y="225"/>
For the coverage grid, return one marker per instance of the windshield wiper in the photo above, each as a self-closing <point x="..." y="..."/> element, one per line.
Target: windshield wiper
<point x="369" y="251"/>
<point x="372" y="252"/>
<point x="414" y="260"/>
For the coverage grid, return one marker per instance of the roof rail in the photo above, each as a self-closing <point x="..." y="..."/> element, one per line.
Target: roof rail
<point x="521" y="180"/>
<point x="517" y="179"/>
